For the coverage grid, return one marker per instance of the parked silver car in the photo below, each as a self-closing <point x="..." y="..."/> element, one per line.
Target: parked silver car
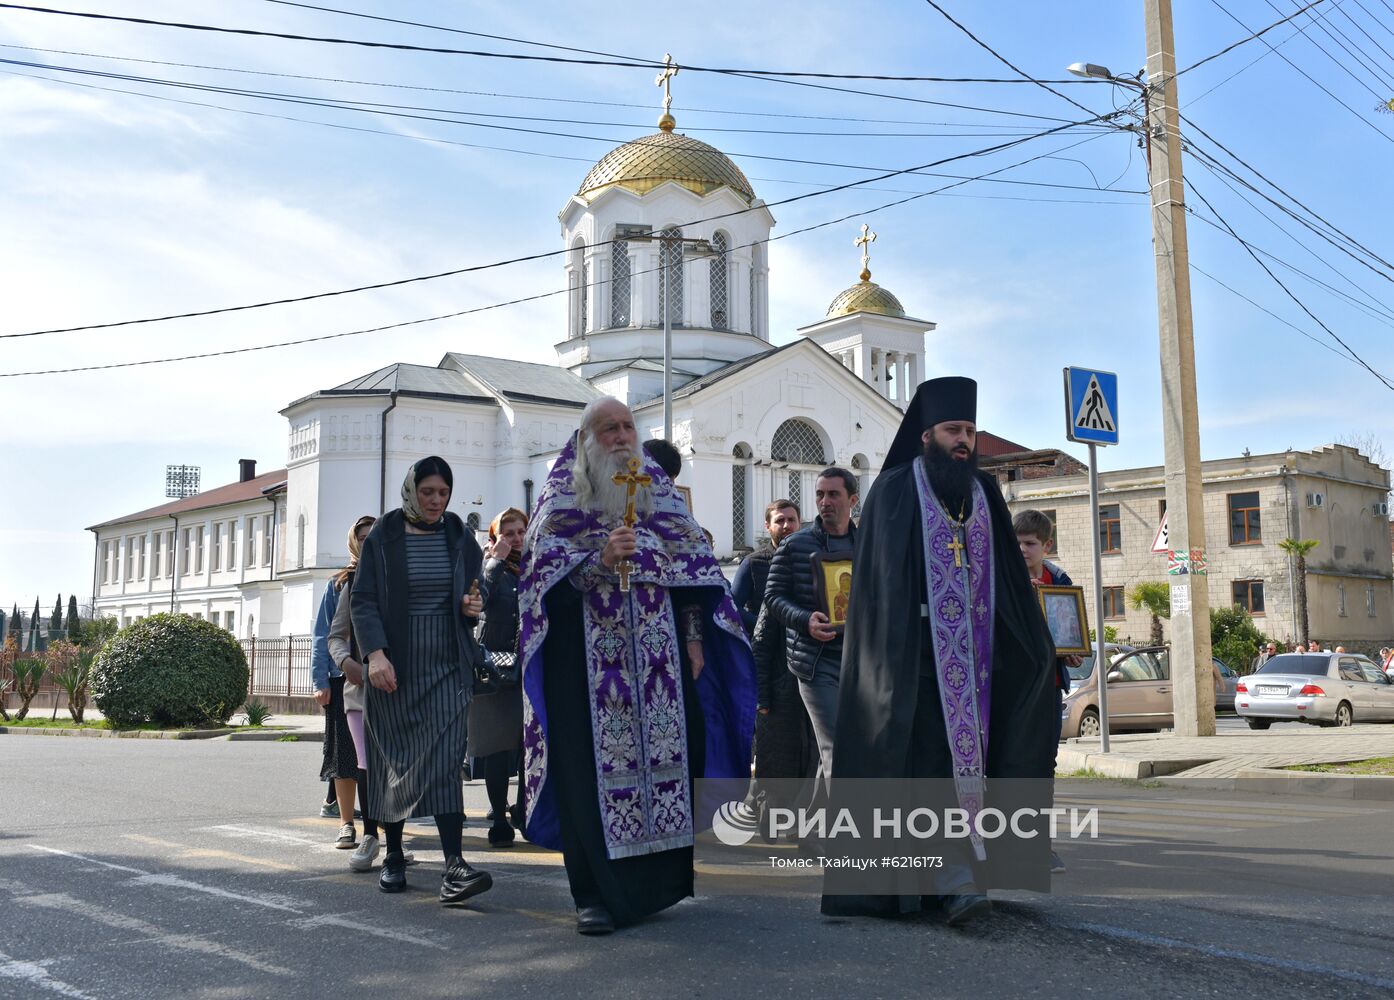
<point x="1328" y="689"/>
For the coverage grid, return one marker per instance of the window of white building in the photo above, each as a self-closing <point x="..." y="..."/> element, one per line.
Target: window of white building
<point x="155" y="545"/>
<point x="186" y="557"/>
<point x="717" y="272"/>
<point x="249" y="543"/>
<point x="231" y="547"/>
<point x="266" y="540"/>
<point x="169" y="553"/>
<point x="217" y="545"/>
<point x="106" y="562"/>
<point x="140" y="558"/>
<point x="130" y="559"/>
<point x="670" y="274"/>
<point x="619" y="283"/>
<point x="230" y="621"/>
<point x="198" y="549"/>
<point x="300" y="542"/>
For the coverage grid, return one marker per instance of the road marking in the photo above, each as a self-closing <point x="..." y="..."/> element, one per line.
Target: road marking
<point x="1260" y="806"/>
<point x="365" y="926"/>
<point x="152" y="933"/>
<point x="281" y="903"/>
<point x="90" y="861"/>
<point x="268" y="834"/>
<point x="1271" y="961"/>
<point x="186" y="851"/>
<point x="35" y="974"/>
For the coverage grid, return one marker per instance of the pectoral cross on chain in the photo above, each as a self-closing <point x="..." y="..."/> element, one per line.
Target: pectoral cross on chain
<point x="958" y="546"/>
<point x="631" y="480"/>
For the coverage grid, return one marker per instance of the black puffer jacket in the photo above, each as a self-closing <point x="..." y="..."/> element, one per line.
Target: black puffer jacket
<point x="500" y="631"/>
<point x="790" y="596"/>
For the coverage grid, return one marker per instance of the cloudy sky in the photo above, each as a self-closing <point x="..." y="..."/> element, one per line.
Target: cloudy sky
<point x="128" y="198"/>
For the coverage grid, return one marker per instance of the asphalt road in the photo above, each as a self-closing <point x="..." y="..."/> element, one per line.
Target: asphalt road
<point x="133" y="868"/>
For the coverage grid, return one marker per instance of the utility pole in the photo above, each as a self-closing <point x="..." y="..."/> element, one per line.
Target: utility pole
<point x="1193" y="698"/>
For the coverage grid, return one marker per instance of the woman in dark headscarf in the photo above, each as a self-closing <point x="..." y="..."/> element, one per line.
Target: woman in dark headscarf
<point x="415" y="601"/>
<point x="496" y="719"/>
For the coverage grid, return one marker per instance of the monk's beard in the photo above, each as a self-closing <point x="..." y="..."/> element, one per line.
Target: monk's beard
<point x="951" y="478"/>
<point x="596" y="488"/>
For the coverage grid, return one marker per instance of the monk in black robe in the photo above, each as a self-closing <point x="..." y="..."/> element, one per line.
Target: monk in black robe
<point x="891" y="718"/>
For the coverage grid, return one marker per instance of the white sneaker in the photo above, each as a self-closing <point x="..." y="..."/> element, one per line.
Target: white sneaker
<point x="361" y="860"/>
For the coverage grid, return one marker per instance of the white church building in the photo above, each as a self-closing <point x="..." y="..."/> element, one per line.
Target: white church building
<point x="753" y="422"/>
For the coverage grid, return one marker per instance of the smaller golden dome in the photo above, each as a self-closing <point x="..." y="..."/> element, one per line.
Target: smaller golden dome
<point x="866" y="296"/>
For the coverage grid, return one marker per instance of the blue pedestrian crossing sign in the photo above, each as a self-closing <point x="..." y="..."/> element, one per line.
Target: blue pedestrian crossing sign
<point x="1091" y="406"/>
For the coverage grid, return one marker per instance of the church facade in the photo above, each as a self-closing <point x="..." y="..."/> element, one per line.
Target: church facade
<point x="663" y="227"/>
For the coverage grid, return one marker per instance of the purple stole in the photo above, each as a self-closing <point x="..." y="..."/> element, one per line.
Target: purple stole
<point x="960" y="613"/>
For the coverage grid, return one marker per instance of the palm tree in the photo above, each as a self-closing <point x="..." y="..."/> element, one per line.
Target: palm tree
<point x="1155" y="597"/>
<point x="1298" y="548"/>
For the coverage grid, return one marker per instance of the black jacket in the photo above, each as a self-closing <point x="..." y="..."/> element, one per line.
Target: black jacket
<point x="791" y="598"/>
<point x="379" y="596"/>
<point x="500" y="630"/>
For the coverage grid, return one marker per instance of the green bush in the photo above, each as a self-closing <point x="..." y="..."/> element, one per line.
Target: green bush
<point x="1234" y="637"/>
<point x="171" y="670"/>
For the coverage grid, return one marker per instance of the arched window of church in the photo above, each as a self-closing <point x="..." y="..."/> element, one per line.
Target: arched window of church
<point x="719" y="263"/>
<point x="670" y="274"/>
<point x="798" y="444"/>
<point x="859" y="469"/>
<point x="740" y="492"/>
<point x="619" y="283"/>
<point x="300" y="542"/>
<point x="472" y="522"/>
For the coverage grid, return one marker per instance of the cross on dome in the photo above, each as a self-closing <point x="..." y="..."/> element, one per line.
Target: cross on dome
<point x="864" y="241"/>
<point x="665" y="80"/>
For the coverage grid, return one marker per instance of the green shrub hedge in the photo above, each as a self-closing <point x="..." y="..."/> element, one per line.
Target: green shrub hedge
<point x="172" y="670"/>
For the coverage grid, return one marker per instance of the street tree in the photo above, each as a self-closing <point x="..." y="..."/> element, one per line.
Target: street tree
<point x="55" y="620"/>
<point x="1298" y="548"/>
<point x="73" y="624"/>
<point x="1155" y="599"/>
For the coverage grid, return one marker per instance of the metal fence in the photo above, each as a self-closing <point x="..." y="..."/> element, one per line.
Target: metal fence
<point x="280" y="666"/>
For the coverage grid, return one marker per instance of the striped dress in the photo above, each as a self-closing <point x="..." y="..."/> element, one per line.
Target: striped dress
<point x="416" y="734"/>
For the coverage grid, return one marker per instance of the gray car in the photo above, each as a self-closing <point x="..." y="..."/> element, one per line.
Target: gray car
<point x="1328" y="689"/>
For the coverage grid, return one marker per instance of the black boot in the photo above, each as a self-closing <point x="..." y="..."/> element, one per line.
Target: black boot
<point x="394" y="872"/>
<point x="461" y="881"/>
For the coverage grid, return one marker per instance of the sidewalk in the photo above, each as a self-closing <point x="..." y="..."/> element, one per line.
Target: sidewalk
<point x="1232" y="757"/>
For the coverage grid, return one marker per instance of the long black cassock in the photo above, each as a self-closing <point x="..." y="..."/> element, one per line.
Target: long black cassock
<point x="890" y="721"/>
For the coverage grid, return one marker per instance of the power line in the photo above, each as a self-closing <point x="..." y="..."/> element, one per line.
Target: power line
<point x="1026" y="77"/>
<point x="1288" y="323"/>
<point x="1288" y="292"/>
<point x="483" y="54"/>
<point x="516" y="97"/>
<point x="1326" y="52"/>
<point x="1361" y="28"/>
<point x="1244" y="41"/>
<point x="541" y="256"/>
<point x="531" y="298"/>
<point x="1367" y="61"/>
<point x="1330" y="226"/>
<point x="412" y="137"/>
<point x="407" y="110"/>
<point x="1309" y="77"/>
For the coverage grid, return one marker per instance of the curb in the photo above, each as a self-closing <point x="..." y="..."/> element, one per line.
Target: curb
<point x="123" y="734"/>
<point x="273" y="736"/>
<point x="1273" y="781"/>
<point x="1112" y="766"/>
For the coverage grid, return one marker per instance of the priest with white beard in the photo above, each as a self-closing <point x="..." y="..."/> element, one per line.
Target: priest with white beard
<point x="629" y="694"/>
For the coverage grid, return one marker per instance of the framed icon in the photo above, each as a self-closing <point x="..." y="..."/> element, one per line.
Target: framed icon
<point x="832" y="583"/>
<point x="686" y="493"/>
<point x="1067" y="619"/>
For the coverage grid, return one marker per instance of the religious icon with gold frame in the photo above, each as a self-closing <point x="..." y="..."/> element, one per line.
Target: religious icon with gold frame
<point x="1066" y="618"/>
<point x="686" y="493"/>
<point x="832" y="583"/>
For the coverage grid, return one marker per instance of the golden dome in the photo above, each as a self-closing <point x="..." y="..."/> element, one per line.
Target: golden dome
<point x="866" y="296"/>
<point x="644" y="164"/>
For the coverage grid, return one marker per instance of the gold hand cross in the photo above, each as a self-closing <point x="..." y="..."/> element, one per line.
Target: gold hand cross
<point x="632" y="480"/>
<point x="958" y="548"/>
